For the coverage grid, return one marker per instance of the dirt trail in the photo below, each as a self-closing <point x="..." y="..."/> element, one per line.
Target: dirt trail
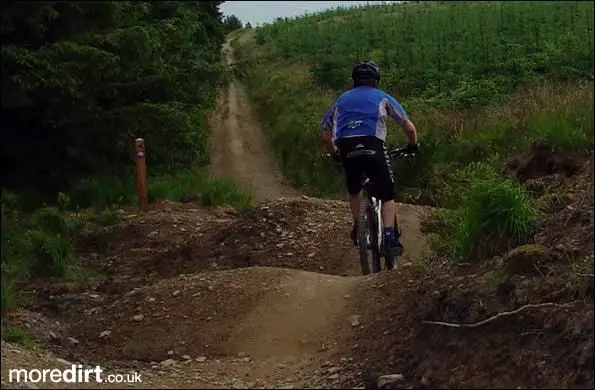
<point x="282" y="340"/>
<point x="261" y="326"/>
<point x="239" y="147"/>
<point x="265" y="325"/>
<point x="296" y="319"/>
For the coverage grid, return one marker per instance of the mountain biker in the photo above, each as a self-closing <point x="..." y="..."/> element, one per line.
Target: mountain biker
<point x="354" y="133"/>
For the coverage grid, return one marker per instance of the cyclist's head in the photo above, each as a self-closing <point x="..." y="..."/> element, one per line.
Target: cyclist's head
<point x="365" y="73"/>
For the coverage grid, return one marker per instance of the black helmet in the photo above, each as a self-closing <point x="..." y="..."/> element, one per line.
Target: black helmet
<point x="365" y="70"/>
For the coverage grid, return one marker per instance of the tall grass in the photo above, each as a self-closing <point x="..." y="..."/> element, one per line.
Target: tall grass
<point x="18" y="336"/>
<point x="101" y="192"/>
<point x="492" y="214"/>
<point x="209" y="189"/>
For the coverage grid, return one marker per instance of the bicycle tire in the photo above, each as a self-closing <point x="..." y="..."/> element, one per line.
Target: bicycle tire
<point x="390" y="261"/>
<point x="362" y="236"/>
<point x="376" y="256"/>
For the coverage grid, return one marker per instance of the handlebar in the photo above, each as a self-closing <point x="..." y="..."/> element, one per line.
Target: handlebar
<point x="400" y="152"/>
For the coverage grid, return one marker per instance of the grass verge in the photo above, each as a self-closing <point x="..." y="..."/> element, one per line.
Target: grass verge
<point x="101" y="192"/>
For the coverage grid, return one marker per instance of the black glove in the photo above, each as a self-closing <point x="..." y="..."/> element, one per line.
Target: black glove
<point x="336" y="157"/>
<point x="413" y="148"/>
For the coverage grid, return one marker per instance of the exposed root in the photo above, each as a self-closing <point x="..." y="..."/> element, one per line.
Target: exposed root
<point x="503" y="314"/>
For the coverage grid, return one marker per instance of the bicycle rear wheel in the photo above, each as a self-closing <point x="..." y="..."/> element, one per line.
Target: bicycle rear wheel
<point x="374" y="222"/>
<point x="363" y="235"/>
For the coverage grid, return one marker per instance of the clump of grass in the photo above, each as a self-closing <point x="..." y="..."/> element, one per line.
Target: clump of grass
<point x="492" y="213"/>
<point x="8" y="300"/>
<point x="501" y="208"/>
<point x="221" y="191"/>
<point x="18" y="336"/>
<point x="40" y="245"/>
<point x="51" y="243"/>
<point x="52" y="254"/>
<point x="108" y="217"/>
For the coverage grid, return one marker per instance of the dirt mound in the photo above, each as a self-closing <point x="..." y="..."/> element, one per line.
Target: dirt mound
<point x="187" y="314"/>
<point x="148" y="246"/>
<point x="548" y="347"/>
<point x="541" y="160"/>
<point x="302" y="233"/>
<point x="569" y="229"/>
<point x="299" y="233"/>
<point x="271" y="318"/>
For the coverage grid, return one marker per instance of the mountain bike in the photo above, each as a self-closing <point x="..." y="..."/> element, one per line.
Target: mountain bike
<point x="370" y="227"/>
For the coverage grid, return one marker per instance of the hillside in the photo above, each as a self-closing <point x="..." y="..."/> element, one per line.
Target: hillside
<point x="480" y="81"/>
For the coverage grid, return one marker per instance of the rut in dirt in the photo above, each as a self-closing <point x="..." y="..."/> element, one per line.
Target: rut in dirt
<point x="239" y="147"/>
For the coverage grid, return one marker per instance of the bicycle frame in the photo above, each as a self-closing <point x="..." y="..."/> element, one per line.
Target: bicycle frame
<point x="368" y="211"/>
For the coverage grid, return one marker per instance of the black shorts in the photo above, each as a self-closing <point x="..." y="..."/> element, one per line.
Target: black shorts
<point x="367" y="155"/>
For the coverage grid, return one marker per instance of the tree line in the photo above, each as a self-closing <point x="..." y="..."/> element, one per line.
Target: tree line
<point x="82" y="80"/>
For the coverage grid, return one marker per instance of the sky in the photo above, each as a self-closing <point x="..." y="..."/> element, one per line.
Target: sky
<point x="258" y="12"/>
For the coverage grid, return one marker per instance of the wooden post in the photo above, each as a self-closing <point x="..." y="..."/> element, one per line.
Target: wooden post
<point x="141" y="174"/>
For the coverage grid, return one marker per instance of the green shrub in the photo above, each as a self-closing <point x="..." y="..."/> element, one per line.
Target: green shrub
<point x="501" y="208"/>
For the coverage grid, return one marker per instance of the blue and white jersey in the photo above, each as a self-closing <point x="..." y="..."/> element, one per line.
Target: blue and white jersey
<point x="362" y="111"/>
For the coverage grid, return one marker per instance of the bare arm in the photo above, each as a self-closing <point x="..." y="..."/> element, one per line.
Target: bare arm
<point x="409" y="130"/>
<point x="327" y="139"/>
<point x="397" y="112"/>
<point x="326" y="133"/>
